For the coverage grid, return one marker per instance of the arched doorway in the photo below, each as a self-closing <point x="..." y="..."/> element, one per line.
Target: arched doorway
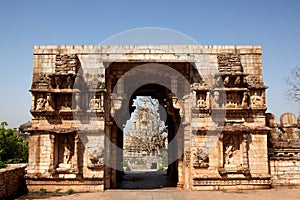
<point x="169" y="91"/>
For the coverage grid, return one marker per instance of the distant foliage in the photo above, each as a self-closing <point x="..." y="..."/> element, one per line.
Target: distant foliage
<point x="293" y="92"/>
<point x="13" y="148"/>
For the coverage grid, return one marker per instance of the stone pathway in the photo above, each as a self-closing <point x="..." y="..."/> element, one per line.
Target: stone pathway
<point x="154" y="185"/>
<point x="166" y="194"/>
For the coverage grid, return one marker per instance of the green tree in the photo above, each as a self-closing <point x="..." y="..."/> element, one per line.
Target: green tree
<point x="164" y="156"/>
<point x="13" y="148"/>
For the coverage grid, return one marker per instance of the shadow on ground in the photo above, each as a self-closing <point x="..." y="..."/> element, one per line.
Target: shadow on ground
<point x="147" y="180"/>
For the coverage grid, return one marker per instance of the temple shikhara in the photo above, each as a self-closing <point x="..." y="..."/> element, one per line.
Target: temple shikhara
<point x="215" y="129"/>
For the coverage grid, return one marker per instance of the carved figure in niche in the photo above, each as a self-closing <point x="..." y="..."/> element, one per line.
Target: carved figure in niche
<point x="201" y="102"/>
<point x="94" y="103"/>
<point x="57" y="82"/>
<point x="66" y="104"/>
<point x="218" y="81"/>
<point x="216" y="99"/>
<point x="195" y="154"/>
<point x="49" y="104"/>
<point x="100" y="84"/>
<point x="226" y="80"/>
<point x="245" y="101"/>
<point x="97" y="156"/>
<point x="237" y="80"/>
<point x="256" y="99"/>
<point x="69" y="82"/>
<point x="49" y="82"/>
<point x="200" y="158"/>
<point x="65" y="154"/>
<point x="229" y="150"/>
<point x="40" y="103"/>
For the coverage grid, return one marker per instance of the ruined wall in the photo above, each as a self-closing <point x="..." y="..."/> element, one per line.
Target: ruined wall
<point x="285" y="172"/>
<point x="284" y="150"/>
<point x="12" y="180"/>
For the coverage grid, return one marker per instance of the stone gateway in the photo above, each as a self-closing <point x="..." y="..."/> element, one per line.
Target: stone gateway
<point x="214" y="97"/>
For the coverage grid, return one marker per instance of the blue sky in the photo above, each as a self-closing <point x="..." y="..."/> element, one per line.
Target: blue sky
<point x="274" y="25"/>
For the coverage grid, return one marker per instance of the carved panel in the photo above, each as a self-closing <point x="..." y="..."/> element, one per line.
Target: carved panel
<point x="65" y="145"/>
<point x="200" y="157"/>
<point x="230" y="63"/>
<point x="231" y="151"/>
<point x="66" y="64"/>
<point x="44" y="82"/>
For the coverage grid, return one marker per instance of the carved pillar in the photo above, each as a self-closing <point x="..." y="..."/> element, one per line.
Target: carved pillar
<point x="207" y="99"/>
<point x="221" y="149"/>
<point x="263" y="98"/>
<point x="107" y="155"/>
<point x="52" y="152"/>
<point x="102" y="101"/>
<point x="76" y="153"/>
<point x="245" y="150"/>
<point x="77" y="100"/>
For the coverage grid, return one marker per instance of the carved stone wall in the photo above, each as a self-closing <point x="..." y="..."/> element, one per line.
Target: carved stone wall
<point x="74" y="107"/>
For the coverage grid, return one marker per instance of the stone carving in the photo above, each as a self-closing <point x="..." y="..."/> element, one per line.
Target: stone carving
<point x="200" y="158"/>
<point x="253" y="81"/>
<point x="49" y="106"/>
<point x="226" y="80"/>
<point x="96" y="103"/>
<point x="66" y="153"/>
<point x="70" y="82"/>
<point x="44" y="82"/>
<point x="187" y="154"/>
<point x="95" y="81"/>
<point x="256" y="100"/>
<point x="66" y="102"/>
<point x="66" y="64"/>
<point x="40" y="103"/>
<point x="237" y="80"/>
<point x="216" y="103"/>
<point x="231" y="148"/>
<point x="229" y="63"/>
<point x="201" y="102"/>
<point x="97" y="156"/>
<point x="232" y="100"/>
<point x="246" y="99"/>
<point x="176" y="103"/>
<point x="57" y="82"/>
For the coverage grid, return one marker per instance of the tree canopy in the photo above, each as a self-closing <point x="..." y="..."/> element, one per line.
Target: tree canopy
<point x="13" y="148"/>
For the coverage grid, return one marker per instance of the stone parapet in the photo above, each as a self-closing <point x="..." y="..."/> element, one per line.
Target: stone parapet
<point x="12" y="180"/>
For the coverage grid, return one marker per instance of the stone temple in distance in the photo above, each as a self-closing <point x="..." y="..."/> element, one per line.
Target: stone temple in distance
<point x="218" y="133"/>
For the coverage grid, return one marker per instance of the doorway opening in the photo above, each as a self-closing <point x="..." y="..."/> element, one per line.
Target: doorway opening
<point x="142" y="166"/>
<point x="145" y="149"/>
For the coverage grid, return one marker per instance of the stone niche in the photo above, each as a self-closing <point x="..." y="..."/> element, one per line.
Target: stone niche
<point x="64" y="155"/>
<point x="235" y="154"/>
